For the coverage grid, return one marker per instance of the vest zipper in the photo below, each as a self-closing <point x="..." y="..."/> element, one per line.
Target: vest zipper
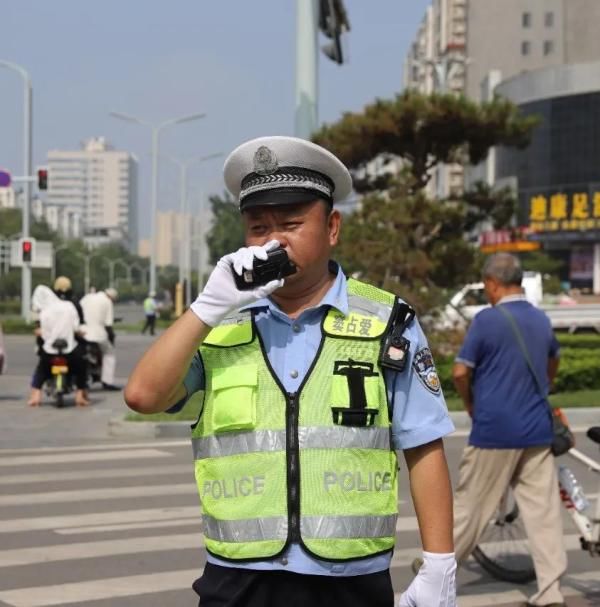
<point x="293" y="458"/>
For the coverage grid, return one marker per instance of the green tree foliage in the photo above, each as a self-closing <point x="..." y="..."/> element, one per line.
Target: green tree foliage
<point x="548" y="267"/>
<point x="425" y="130"/>
<point x="70" y="257"/>
<point x="399" y="238"/>
<point x="227" y="231"/>
<point x="414" y="246"/>
<point x="487" y="204"/>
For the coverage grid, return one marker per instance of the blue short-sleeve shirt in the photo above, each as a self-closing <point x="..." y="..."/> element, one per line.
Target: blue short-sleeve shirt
<point x="508" y="410"/>
<point x="419" y="415"/>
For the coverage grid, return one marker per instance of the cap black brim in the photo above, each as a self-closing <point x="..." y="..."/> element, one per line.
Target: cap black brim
<point x="280" y="197"/>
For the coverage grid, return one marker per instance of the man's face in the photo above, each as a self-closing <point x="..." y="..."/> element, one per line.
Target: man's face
<point x="306" y="231"/>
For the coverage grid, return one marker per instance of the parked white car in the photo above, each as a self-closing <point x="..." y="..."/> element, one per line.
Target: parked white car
<point x="567" y="314"/>
<point x="471" y="299"/>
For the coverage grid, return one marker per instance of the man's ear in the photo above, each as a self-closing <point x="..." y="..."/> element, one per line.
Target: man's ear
<point x="334" y="224"/>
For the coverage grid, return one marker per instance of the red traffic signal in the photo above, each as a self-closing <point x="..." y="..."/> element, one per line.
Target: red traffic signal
<point x="42" y="179"/>
<point x="26" y="251"/>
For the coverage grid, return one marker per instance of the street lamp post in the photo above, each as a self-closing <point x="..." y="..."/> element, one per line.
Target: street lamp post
<point x="27" y="169"/>
<point x="141" y="269"/>
<point x="111" y="270"/>
<point x="202" y="242"/>
<point x="185" y="249"/>
<point x="87" y="257"/>
<point x="444" y="69"/>
<point x="154" y="201"/>
<point x="62" y="247"/>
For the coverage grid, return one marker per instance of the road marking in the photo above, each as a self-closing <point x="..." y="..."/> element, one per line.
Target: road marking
<point x="69" y="458"/>
<point x="112" y="588"/>
<point x="99" y="447"/>
<point x="131" y="526"/>
<point x="405" y="556"/>
<point x="51" y="476"/>
<point x="496" y="593"/>
<point x="97" y="518"/>
<point x="90" y="550"/>
<point x="103" y="589"/>
<point x="571" y="543"/>
<point x="86" y="495"/>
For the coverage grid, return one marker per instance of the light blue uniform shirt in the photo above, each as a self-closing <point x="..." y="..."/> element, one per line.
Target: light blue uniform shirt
<point x="420" y="414"/>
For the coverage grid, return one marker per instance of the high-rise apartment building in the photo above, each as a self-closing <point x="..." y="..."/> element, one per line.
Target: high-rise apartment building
<point x="98" y="186"/>
<point x="170" y="236"/>
<point x="459" y="42"/>
<point x="543" y="55"/>
<point x="436" y="59"/>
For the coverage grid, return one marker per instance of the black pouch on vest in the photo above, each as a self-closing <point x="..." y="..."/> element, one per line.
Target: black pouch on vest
<point x="357" y="414"/>
<point x="395" y="347"/>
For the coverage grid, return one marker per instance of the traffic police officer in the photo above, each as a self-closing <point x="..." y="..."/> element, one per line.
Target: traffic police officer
<point x="307" y="386"/>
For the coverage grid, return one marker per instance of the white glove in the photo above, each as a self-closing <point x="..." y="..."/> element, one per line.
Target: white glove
<point x="220" y="296"/>
<point x="434" y="585"/>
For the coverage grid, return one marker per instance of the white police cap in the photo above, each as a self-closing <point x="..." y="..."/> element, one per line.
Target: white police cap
<point x="283" y="170"/>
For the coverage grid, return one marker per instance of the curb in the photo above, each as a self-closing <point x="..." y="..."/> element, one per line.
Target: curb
<point x="120" y="427"/>
<point x="579" y="418"/>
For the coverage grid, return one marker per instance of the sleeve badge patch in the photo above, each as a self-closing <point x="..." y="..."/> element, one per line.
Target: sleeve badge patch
<point x="425" y="370"/>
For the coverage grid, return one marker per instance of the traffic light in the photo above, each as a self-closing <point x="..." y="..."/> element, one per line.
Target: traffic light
<point x="333" y="23"/>
<point x="42" y="179"/>
<point x="26" y="250"/>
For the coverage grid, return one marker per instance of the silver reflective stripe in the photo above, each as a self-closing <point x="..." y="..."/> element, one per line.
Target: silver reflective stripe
<point x="245" y="530"/>
<point x="233" y="443"/>
<point x="361" y="304"/>
<point x="347" y="527"/>
<point x="343" y="437"/>
<point x="237" y="318"/>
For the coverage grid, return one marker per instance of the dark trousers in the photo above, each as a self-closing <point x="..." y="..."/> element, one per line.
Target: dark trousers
<point x="150" y="322"/>
<point x="77" y="368"/>
<point x="230" y="587"/>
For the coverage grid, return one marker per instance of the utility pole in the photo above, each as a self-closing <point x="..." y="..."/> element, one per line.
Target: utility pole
<point x="330" y="17"/>
<point x="306" y="117"/>
<point x="27" y="168"/>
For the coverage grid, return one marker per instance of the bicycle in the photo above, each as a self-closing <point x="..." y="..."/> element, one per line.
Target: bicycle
<point x="503" y="550"/>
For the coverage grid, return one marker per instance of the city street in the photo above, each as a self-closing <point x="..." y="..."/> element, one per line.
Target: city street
<point x="87" y="519"/>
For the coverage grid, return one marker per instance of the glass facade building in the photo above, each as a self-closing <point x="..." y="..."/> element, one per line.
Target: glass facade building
<point x="558" y="175"/>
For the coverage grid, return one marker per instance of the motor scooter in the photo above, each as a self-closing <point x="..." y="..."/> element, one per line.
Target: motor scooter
<point x="59" y="383"/>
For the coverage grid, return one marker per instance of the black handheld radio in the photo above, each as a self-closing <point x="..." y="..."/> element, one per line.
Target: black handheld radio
<point x="277" y="265"/>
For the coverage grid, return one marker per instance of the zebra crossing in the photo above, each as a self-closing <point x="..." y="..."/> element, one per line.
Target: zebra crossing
<point x="117" y="525"/>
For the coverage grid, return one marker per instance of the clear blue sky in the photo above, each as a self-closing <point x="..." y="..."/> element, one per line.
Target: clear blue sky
<point x="232" y="59"/>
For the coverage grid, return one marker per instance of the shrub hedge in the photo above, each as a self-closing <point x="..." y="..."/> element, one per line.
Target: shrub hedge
<point x="579" y="340"/>
<point x="579" y="369"/>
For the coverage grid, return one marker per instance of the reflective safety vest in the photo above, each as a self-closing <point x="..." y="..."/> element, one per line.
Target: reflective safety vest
<point x="314" y="467"/>
<point x="149" y="306"/>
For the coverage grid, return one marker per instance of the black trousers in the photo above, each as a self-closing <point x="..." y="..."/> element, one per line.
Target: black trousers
<point x="231" y="587"/>
<point x="77" y="368"/>
<point x="150" y="322"/>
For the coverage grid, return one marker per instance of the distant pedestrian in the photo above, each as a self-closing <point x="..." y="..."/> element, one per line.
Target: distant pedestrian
<point x="150" y="308"/>
<point x="506" y="348"/>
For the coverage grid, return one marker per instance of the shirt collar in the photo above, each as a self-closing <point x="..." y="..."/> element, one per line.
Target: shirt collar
<point x="509" y="298"/>
<point x="336" y="297"/>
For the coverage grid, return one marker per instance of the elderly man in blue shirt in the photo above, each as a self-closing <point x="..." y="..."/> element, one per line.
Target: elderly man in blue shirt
<point x="307" y="385"/>
<point x="503" y="372"/>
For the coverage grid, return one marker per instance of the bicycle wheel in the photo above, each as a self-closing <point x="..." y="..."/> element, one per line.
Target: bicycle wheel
<point x="503" y="550"/>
